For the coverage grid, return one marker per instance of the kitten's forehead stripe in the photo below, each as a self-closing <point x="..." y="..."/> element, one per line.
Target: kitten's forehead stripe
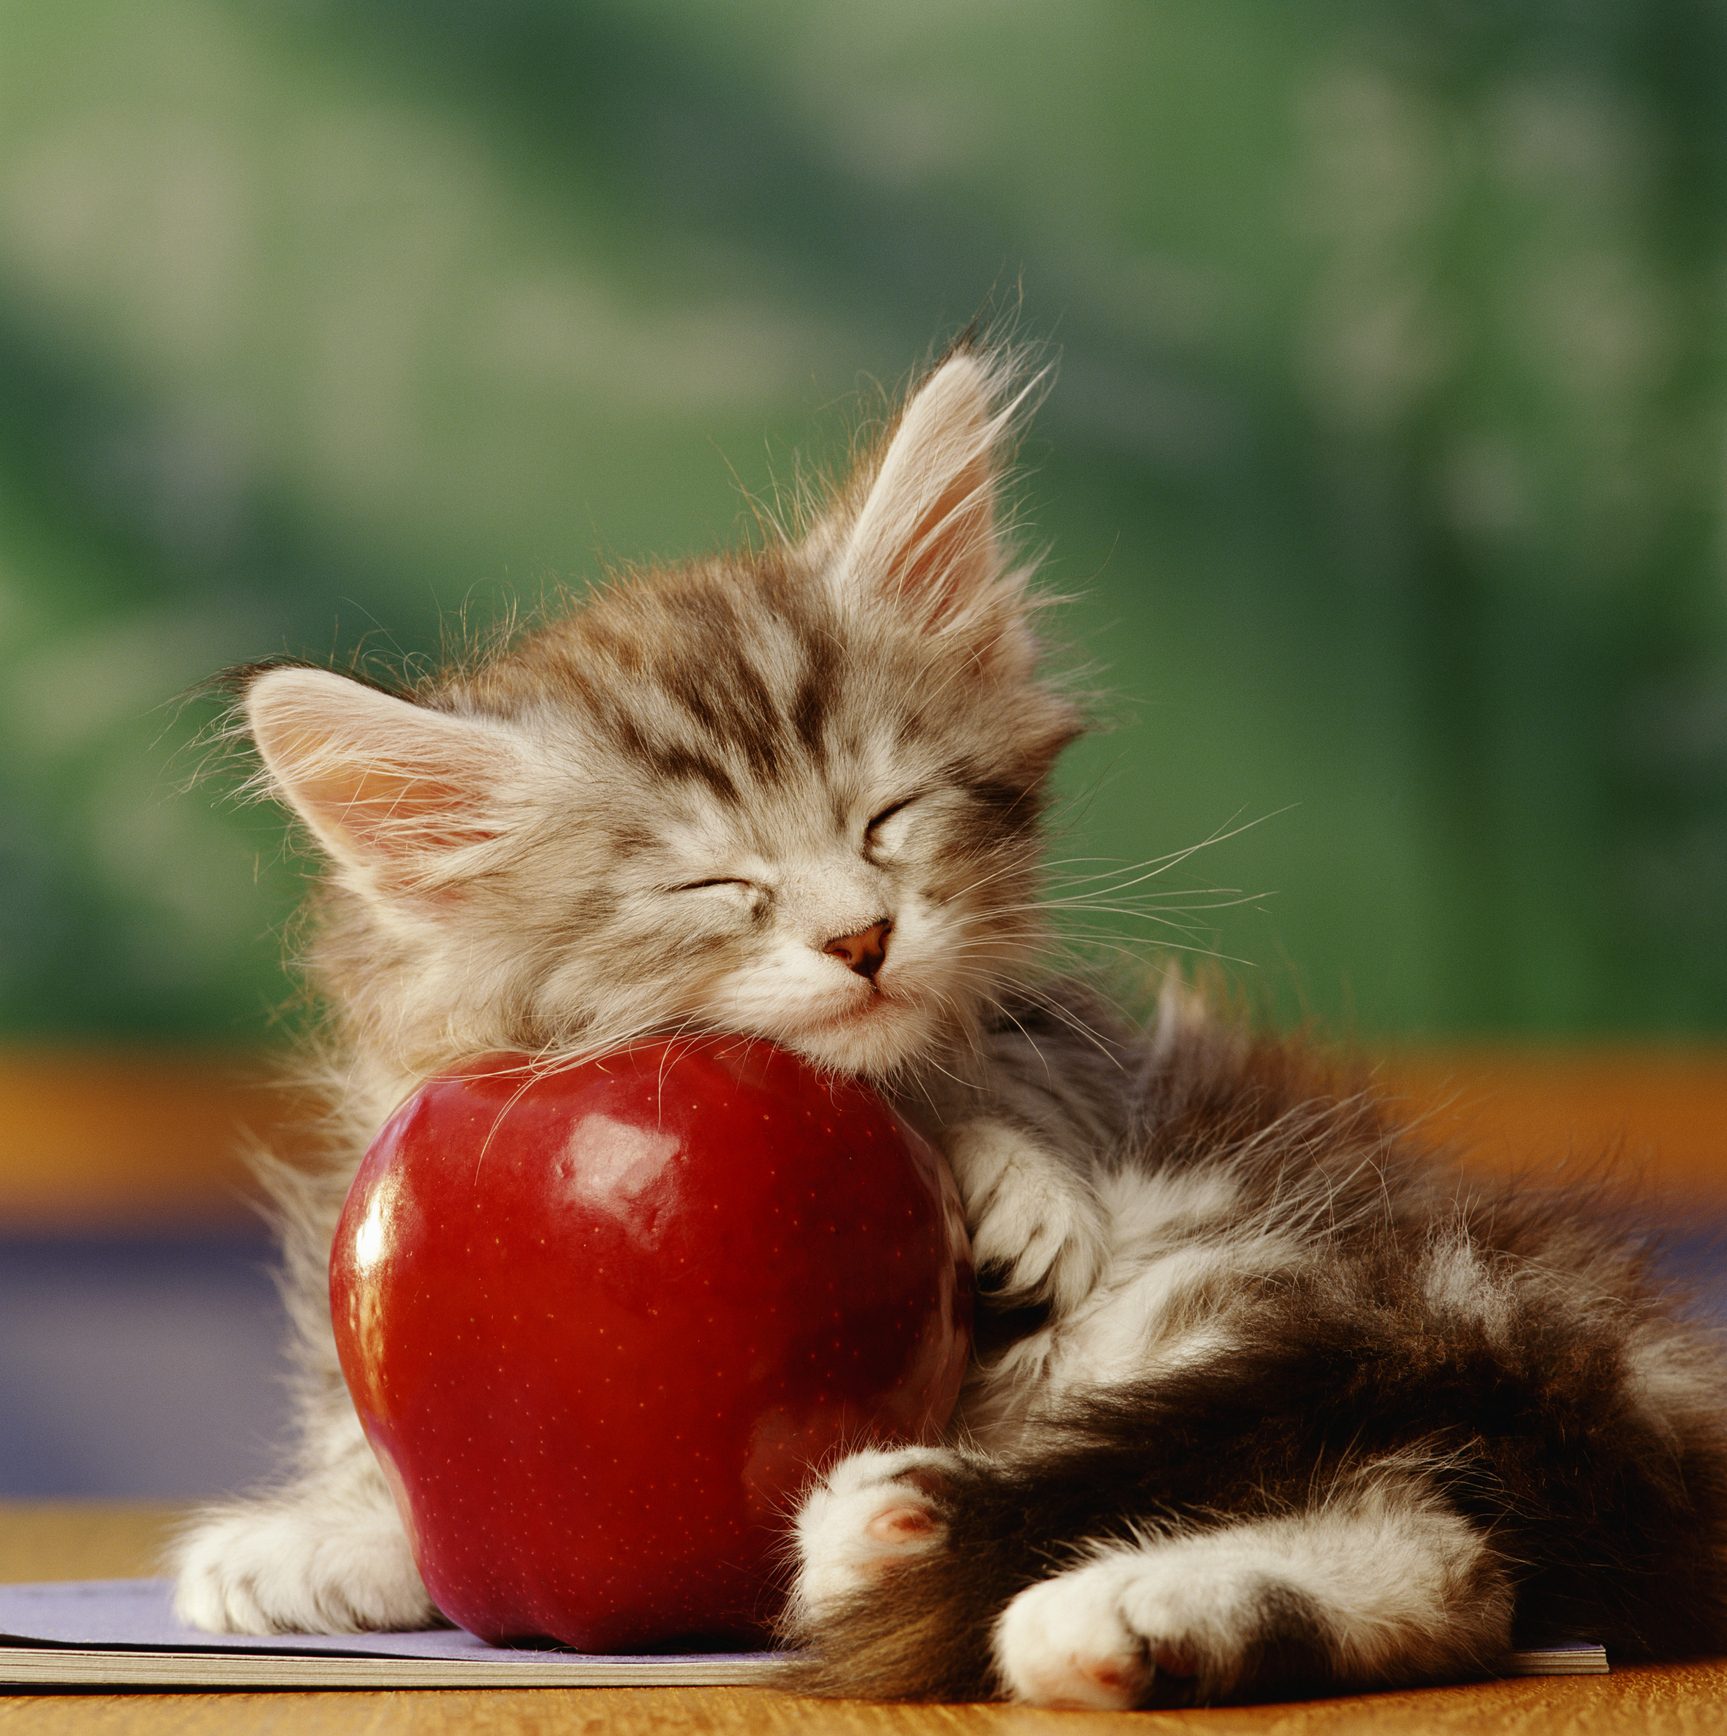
<point x="809" y="708"/>
<point x="732" y="702"/>
<point x="733" y="672"/>
<point x="695" y="767"/>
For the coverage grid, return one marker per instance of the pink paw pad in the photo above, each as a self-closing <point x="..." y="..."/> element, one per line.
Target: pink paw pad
<point x="1111" y="1674"/>
<point x="904" y="1523"/>
<point x="1087" y="1683"/>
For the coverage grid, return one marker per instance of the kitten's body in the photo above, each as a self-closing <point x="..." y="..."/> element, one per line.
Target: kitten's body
<point x="1271" y="1400"/>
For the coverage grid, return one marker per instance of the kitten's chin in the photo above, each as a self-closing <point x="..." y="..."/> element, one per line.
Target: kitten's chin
<point x="876" y="1040"/>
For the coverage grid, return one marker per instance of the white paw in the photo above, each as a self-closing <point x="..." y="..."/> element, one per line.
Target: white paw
<point x="872" y="1509"/>
<point x="277" y="1567"/>
<point x="1037" y="1229"/>
<point x="1138" y="1621"/>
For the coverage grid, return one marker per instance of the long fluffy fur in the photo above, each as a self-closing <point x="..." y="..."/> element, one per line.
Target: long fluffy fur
<point x="1267" y="1399"/>
<point x="1360" y="1318"/>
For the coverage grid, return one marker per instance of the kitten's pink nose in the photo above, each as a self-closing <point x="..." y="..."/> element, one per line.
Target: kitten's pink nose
<point x="863" y="951"/>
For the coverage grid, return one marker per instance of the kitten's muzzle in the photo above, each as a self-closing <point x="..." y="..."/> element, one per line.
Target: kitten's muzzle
<point x="863" y="951"/>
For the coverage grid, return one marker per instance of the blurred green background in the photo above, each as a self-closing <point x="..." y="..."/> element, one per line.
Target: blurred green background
<point x="1385" y="457"/>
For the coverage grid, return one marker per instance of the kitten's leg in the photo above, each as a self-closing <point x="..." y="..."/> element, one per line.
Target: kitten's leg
<point x="1386" y="1587"/>
<point x="871" y="1510"/>
<point x="1036" y="1224"/>
<point x="325" y="1555"/>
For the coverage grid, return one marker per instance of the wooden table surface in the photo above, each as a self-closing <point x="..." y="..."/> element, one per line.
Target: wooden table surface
<point x="67" y="1541"/>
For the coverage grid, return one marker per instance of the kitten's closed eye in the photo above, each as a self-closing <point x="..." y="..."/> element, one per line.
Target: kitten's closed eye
<point x="704" y="885"/>
<point x="880" y="834"/>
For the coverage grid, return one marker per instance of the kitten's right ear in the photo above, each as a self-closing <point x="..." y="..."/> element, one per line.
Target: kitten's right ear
<point x="398" y="794"/>
<point x="918" y="533"/>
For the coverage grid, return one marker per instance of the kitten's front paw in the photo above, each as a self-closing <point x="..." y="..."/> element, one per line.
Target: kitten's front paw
<point x="1145" y="1626"/>
<point x="1037" y="1229"/>
<point x="280" y="1567"/>
<point x="871" y="1510"/>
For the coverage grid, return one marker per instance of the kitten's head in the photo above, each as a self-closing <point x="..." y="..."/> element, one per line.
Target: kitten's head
<point x="791" y="793"/>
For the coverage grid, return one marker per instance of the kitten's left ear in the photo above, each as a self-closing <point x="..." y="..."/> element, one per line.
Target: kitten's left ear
<point x="401" y="796"/>
<point x="926" y="541"/>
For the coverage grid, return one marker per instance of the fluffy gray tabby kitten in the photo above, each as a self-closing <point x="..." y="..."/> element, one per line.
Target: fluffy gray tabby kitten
<point x="1269" y="1402"/>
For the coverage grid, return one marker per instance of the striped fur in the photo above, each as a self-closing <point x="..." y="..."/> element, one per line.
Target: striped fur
<point x="1266" y="1400"/>
<point x="1327" y="1418"/>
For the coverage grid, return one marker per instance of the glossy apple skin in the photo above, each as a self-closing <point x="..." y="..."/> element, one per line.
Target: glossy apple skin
<point x="600" y="1326"/>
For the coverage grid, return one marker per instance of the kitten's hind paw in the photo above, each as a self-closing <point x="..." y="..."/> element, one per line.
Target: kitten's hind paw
<point x="285" y="1567"/>
<point x="1037" y="1229"/>
<point x="1147" y="1626"/>
<point x="870" y="1511"/>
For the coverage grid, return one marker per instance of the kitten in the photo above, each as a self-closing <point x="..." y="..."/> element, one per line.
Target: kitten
<point x="1272" y="1403"/>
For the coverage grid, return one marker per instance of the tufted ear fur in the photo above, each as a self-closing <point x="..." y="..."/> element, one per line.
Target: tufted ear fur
<point x="926" y="538"/>
<point x="401" y="796"/>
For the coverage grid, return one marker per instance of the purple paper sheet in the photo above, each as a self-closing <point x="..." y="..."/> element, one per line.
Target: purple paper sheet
<point x="100" y="1614"/>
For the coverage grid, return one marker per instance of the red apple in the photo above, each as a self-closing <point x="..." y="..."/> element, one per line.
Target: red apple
<point x="601" y="1324"/>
